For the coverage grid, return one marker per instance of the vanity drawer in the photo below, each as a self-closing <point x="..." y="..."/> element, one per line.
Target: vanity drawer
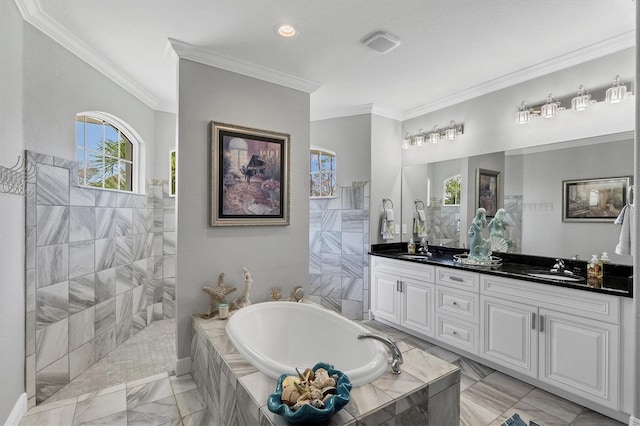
<point x="461" y="334"/>
<point x="457" y="303"/>
<point x="404" y="268"/>
<point x="456" y="278"/>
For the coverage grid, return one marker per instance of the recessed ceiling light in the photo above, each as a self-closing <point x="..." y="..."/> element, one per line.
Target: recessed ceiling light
<point x="287" y="30"/>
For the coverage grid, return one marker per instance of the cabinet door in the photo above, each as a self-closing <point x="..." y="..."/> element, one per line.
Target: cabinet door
<point x="417" y="306"/>
<point x="386" y="297"/>
<point x="509" y="336"/>
<point x="580" y="355"/>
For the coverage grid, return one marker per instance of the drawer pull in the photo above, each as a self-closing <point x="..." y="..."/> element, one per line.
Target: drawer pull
<point x="455" y="333"/>
<point x="541" y="323"/>
<point x="456" y="279"/>
<point x="397" y="285"/>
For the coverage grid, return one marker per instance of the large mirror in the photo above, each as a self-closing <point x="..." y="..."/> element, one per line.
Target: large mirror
<point x="532" y="194"/>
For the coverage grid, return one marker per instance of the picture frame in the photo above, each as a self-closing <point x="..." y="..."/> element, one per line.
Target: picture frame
<point x="249" y="183"/>
<point x="488" y="191"/>
<point x="172" y="173"/>
<point x="594" y="200"/>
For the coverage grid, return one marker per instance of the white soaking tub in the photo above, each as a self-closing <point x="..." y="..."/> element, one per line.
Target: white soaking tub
<point x="277" y="337"/>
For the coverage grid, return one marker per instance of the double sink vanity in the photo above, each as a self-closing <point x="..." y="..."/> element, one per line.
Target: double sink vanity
<point x="525" y="318"/>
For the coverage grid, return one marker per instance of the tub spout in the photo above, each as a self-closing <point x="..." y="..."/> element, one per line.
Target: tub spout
<point x="393" y="348"/>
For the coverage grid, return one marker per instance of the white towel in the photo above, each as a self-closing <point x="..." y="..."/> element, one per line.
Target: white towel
<point x="387" y="225"/>
<point x="625" y="218"/>
<point x="420" y="223"/>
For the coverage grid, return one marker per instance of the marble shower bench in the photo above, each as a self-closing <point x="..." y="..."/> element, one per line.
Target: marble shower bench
<point x="426" y="393"/>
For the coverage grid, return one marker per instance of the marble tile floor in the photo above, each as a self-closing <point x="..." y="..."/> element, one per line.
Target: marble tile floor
<point x="162" y="399"/>
<point x="487" y="398"/>
<point x="149" y="352"/>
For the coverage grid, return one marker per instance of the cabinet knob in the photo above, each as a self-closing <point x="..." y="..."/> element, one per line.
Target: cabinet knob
<point x="455" y="303"/>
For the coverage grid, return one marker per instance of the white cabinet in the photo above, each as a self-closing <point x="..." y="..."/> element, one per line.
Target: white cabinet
<point x="579" y="355"/>
<point x="402" y="293"/>
<point x="571" y="352"/>
<point x="509" y="335"/>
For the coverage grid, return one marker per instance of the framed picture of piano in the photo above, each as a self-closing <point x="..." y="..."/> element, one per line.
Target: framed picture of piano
<point x="249" y="176"/>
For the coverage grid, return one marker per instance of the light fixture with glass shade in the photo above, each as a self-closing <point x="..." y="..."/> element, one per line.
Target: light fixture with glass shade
<point x="406" y="142"/>
<point x="523" y="115"/>
<point x="551" y="108"/>
<point x="434" y="137"/>
<point x="582" y="101"/>
<point x="418" y="140"/>
<point x="617" y="92"/>
<point x="452" y="131"/>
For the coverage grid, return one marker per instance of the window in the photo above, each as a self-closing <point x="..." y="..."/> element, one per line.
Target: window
<point x="323" y="173"/>
<point x="107" y="152"/>
<point x="452" y="187"/>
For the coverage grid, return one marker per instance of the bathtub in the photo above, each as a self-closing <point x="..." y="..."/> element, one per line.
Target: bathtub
<point x="277" y="337"/>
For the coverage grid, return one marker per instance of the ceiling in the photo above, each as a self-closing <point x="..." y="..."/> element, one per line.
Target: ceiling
<point x="450" y="50"/>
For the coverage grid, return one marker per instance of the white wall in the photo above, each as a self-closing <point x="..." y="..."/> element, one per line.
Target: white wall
<point x="164" y="141"/>
<point x="386" y="174"/>
<point x="12" y="302"/>
<point x="276" y="255"/>
<point x="58" y="85"/>
<point x="489" y="124"/>
<point x="350" y="139"/>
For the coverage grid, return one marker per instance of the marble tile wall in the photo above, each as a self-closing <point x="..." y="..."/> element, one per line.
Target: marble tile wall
<point x="513" y="206"/>
<point x="338" y="246"/>
<point x="93" y="278"/>
<point x="442" y="224"/>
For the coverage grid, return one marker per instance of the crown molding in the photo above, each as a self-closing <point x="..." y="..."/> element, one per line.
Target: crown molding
<point x="207" y="57"/>
<point x="32" y="13"/>
<point x="356" y="110"/>
<point x="594" y="51"/>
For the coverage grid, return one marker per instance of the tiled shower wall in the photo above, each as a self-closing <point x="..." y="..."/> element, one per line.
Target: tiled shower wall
<point x="96" y="271"/>
<point x="338" y="246"/>
<point x="443" y="224"/>
<point x="513" y="206"/>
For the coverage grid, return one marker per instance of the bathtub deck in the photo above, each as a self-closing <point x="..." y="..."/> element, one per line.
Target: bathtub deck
<point x="426" y="393"/>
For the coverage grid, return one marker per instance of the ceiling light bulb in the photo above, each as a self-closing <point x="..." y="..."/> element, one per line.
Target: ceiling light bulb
<point x="287" y="30"/>
<point x="434" y="137"/>
<point x="617" y="92"/>
<point x="451" y="132"/>
<point x="524" y="114"/>
<point x="582" y="101"/>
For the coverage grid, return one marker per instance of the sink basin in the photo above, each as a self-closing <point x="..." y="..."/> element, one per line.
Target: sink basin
<point x="414" y="256"/>
<point x="543" y="273"/>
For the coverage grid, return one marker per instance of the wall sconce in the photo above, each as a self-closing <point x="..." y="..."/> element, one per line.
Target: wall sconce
<point x="616" y="93"/>
<point x="450" y="133"/>
<point x="434" y="137"/>
<point x="582" y="101"/>
<point x="523" y="115"/>
<point x="551" y="108"/>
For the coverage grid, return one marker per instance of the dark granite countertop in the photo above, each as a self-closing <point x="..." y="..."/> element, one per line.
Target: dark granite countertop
<point x="617" y="280"/>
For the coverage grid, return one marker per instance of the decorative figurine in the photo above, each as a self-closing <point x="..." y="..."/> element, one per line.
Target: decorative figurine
<point x="297" y="294"/>
<point x="276" y="293"/>
<point x="218" y="295"/>
<point x="497" y="226"/>
<point x="242" y="301"/>
<point x="477" y="244"/>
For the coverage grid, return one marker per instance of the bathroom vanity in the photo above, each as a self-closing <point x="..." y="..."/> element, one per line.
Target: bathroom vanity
<point x="562" y="336"/>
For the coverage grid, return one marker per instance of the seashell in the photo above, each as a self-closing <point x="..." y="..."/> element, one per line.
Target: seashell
<point x="326" y="398"/>
<point x="321" y="378"/>
<point x="329" y="390"/>
<point x="290" y="395"/>
<point x="300" y="404"/>
<point x="316" y="393"/>
<point x="289" y="380"/>
<point x="318" y="403"/>
<point x="309" y="374"/>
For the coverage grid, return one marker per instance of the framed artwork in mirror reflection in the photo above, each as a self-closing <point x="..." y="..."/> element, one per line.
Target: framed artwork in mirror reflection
<point x="249" y="176"/>
<point x="594" y="200"/>
<point x="488" y="191"/>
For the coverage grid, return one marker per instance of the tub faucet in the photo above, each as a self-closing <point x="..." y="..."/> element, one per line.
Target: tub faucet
<point x="391" y="344"/>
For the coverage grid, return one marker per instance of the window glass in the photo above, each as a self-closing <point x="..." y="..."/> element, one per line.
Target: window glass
<point x="322" y="182"/>
<point x="104" y="155"/>
<point x="452" y="191"/>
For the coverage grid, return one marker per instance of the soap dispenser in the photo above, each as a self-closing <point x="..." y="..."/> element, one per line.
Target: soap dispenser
<point x="594" y="272"/>
<point x="411" y="247"/>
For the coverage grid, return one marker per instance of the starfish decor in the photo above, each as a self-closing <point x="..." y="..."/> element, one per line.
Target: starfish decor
<point x="217" y="295"/>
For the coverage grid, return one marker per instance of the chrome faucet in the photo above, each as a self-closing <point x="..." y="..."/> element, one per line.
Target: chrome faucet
<point x="393" y="348"/>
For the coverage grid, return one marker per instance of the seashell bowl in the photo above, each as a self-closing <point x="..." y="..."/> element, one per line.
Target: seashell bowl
<point x="308" y="413"/>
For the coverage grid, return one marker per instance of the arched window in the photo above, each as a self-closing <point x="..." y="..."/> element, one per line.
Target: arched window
<point x="322" y="183"/>
<point x="108" y="153"/>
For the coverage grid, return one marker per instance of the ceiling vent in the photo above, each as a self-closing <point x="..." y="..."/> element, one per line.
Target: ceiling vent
<point x="381" y="42"/>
